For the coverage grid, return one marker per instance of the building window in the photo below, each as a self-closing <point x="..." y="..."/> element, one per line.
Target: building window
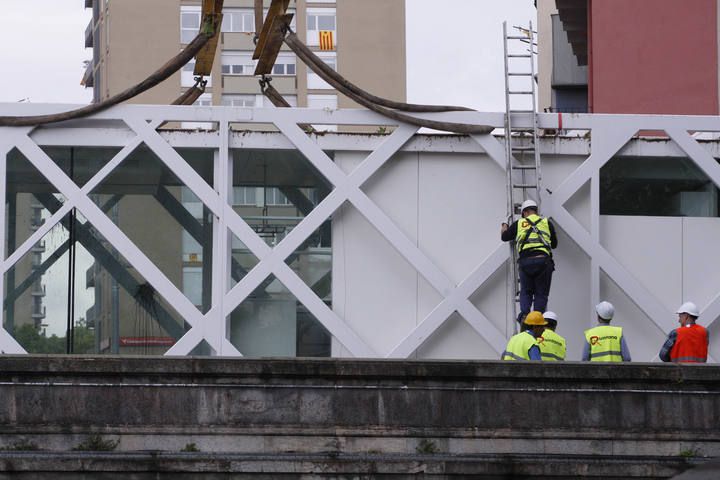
<point x="284" y="65"/>
<point x="247" y="101"/>
<point x="205" y="100"/>
<point x="192" y="284"/>
<point x="245" y="195"/>
<point x="322" y="101"/>
<point x="237" y="64"/>
<point x="320" y="19"/>
<point x="238" y="21"/>
<point x="313" y="79"/>
<point x="189" y="23"/>
<point x="656" y="186"/>
<point x="191" y="249"/>
<point x="242" y="20"/>
<point x="273" y="196"/>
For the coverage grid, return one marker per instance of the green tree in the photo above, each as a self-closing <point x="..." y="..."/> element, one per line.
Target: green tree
<point x="34" y="341"/>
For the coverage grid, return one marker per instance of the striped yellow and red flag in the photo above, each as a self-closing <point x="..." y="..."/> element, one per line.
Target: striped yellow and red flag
<point x="327" y="41"/>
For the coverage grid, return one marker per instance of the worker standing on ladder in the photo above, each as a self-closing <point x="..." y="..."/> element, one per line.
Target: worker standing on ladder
<point x="535" y="239"/>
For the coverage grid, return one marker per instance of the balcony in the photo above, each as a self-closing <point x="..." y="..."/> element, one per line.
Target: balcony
<point x="38" y="247"/>
<point x="89" y="37"/>
<point x="37" y="316"/>
<point x="38" y="291"/>
<point x="90" y="277"/>
<point x="88" y="79"/>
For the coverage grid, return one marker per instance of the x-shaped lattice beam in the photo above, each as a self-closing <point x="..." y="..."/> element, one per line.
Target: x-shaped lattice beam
<point x="607" y="141"/>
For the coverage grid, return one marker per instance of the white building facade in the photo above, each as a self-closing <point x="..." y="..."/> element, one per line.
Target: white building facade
<point x="393" y="247"/>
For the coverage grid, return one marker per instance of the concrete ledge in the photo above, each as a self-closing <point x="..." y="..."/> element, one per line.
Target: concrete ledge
<point x="353" y="409"/>
<point x="164" y="465"/>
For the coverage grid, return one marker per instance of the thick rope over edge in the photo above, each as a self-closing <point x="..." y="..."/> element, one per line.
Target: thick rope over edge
<point x="364" y="99"/>
<point x="160" y="75"/>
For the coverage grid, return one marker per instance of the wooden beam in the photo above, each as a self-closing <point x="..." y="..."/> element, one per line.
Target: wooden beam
<point x="211" y="11"/>
<point x="277" y="7"/>
<point x="258" y="16"/>
<point x="272" y="45"/>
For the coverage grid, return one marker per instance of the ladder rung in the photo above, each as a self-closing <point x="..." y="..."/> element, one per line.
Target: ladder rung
<point x="523" y="149"/>
<point x="518" y="37"/>
<point x="521" y="92"/>
<point x="517" y="55"/>
<point x="522" y="111"/>
<point x="523" y="167"/>
<point x="524" y="185"/>
<point x="519" y="74"/>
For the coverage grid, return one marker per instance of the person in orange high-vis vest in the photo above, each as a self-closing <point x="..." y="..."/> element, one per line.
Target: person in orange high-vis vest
<point x="689" y="343"/>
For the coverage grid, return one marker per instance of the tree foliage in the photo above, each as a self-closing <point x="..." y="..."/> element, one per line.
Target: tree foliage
<point x="34" y="341"/>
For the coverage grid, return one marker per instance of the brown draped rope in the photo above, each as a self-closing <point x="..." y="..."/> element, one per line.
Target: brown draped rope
<point x="160" y="75"/>
<point x="383" y="102"/>
<point x="363" y="98"/>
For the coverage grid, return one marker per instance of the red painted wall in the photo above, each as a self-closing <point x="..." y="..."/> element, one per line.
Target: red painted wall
<point x="653" y="56"/>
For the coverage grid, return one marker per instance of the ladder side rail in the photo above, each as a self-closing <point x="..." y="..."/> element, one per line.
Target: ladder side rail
<point x="536" y="140"/>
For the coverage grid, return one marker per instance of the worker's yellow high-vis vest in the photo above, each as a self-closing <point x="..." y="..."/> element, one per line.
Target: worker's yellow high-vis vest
<point x="552" y="346"/>
<point x="604" y="343"/>
<point x="519" y="346"/>
<point x="528" y="239"/>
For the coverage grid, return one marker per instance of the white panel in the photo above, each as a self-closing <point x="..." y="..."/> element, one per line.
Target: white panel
<point x="579" y="206"/>
<point x="394" y="189"/>
<point x="347" y="161"/>
<point x="491" y="299"/>
<point x="427" y="299"/>
<point x="701" y="270"/>
<point x="456" y="339"/>
<point x="650" y="248"/>
<point x="643" y="337"/>
<point x="556" y="168"/>
<point x="461" y="201"/>
<point x="380" y="287"/>
<point x="265" y="328"/>
<point x="570" y="293"/>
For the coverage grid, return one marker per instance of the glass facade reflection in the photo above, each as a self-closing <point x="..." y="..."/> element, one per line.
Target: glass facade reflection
<point x="73" y="292"/>
<point x="273" y="190"/>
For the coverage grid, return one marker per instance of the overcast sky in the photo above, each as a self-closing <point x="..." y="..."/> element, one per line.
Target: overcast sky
<point x="454" y="51"/>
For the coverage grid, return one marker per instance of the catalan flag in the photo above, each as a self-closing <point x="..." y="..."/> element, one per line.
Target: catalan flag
<point x="326" y="40"/>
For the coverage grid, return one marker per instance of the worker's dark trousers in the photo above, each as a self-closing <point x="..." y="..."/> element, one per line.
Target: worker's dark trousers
<point x="535" y="277"/>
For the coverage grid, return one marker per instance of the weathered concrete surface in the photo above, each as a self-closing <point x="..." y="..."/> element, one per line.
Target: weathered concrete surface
<point x="336" y="418"/>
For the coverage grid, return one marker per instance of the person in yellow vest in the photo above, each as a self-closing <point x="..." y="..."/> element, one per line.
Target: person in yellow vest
<point x="534" y="238"/>
<point x="523" y="346"/>
<point x="552" y="346"/>
<point x="605" y="343"/>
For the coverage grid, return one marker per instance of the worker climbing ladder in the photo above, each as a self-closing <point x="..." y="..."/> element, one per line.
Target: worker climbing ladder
<point x="521" y="137"/>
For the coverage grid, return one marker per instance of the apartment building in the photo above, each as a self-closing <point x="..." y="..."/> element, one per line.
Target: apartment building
<point x="131" y="38"/>
<point x="629" y="56"/>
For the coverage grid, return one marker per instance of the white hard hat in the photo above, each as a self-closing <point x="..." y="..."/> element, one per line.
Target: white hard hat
<point x="605" y="310"/>
<point x="550" y="316"/>
<point x="528" y="204"/>
<point x="689" y="308"/>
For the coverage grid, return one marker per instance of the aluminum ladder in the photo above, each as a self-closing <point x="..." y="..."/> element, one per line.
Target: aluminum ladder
<point x="522" y="156"/>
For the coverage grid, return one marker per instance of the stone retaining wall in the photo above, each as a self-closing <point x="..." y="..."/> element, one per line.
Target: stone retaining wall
<point x="355" y="417"/>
